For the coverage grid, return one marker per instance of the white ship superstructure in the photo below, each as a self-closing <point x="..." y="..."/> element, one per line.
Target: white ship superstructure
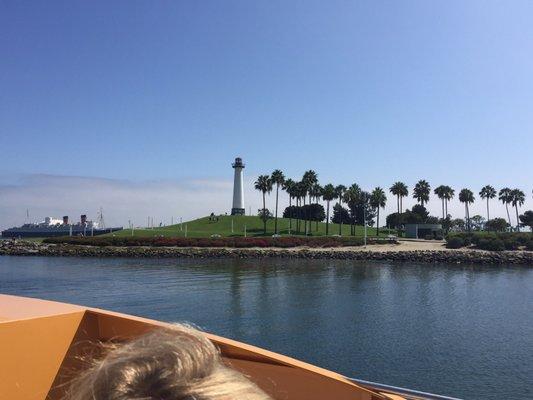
<point x="51" y="226"/>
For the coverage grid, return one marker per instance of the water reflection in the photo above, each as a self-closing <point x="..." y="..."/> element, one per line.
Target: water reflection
<point x="450" y="329"/>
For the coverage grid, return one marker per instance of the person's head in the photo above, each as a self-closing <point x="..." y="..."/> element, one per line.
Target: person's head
<point x="167" y="364"/>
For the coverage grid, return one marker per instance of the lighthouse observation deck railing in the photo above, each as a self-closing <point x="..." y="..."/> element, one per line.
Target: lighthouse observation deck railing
<point x="407" y="393"/>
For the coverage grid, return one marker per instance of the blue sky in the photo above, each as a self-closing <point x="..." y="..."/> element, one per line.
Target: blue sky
<point x="367" y="92"/>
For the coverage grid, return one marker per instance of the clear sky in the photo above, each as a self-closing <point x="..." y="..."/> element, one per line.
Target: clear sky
<point x="150" y="94"/>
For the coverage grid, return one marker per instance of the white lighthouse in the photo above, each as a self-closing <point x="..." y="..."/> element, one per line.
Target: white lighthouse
<point x="238" y="192"/>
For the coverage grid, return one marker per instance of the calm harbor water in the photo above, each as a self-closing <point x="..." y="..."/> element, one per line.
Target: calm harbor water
<point x="464" y="331"/>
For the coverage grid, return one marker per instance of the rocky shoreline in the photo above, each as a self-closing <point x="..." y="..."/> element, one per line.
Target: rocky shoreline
<point x="346" y="253"/>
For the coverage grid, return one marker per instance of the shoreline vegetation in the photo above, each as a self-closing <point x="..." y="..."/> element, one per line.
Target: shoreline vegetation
<point x="404" y="251"/>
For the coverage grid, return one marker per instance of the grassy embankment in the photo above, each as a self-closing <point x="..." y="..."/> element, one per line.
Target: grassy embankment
<point x="203" y="228"/>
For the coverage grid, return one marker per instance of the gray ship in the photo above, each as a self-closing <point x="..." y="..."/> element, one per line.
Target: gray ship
<point x="57" y="227"/>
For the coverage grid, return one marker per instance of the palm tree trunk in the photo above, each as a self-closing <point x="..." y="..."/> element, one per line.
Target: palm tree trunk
<point x="276" y="216"/>
<point x="377" y="225"/>
<point x="298" y="214"/>
<point x="517" y="219"/>
<point x="305" y="219"/>
<point x="290" y="213"/>
<point x="327" y="218"/>
<point x="467" y="217"/>
<point x="488" y="215"/>
<point x="264" y="216"/>
<point x="340" y="217"/>
<point x="443" y="208"/>
<point x="508" y="215"/>
<point x="446" y="202"/>
<point x="398" y="219"/>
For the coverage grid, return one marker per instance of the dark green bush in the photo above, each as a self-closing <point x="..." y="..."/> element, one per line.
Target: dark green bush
<point x="511" y="243"/>
<point x="495" y="241"/>
<point x="529" y="245"/>
<point x="492" y="244"/>
<point x="455" y="242"/>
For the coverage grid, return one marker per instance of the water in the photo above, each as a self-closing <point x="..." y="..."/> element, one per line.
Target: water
<point x="464" y="331"/>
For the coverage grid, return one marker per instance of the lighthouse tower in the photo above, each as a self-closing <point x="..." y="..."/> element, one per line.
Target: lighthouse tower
<point x="238" y="193"/>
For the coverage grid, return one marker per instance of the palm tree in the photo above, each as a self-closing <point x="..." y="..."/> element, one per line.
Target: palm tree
<point x="351" y="196"/>
<point x="288" y="186"/>
<point x="309" y="179"/>
<point x="440" y="191"/>
<point x="421" y="192"/>
<point x="505" y="197"/>
<point x="339" y="192"/>
<point x="264" y="185"/>
<point x="466" y="196"/>
<point x="277" y="179"/>
<point x="449" y="193"/>
<point x="328" y="194"/>
<point x="377" y="201"/>
<point x="399" y="189"/>
<point x="487" y="192"/>
<point x="517" y="199"/>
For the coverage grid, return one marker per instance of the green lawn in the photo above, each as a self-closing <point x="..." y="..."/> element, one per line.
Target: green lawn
<point x="203" y="227"/>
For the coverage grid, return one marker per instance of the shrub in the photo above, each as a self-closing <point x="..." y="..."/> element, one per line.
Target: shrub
<point x="511" y="243"/>
<point x="492" y="244"/>
<point x="238" y="242"/>
<point x="455" y="242"/>
<point x="529" y="245"/>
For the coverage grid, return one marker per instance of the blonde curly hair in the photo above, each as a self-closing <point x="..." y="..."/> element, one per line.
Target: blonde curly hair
<point x="178" y="363"/>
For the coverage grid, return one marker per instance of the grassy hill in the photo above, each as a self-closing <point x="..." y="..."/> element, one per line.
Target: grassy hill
<point x="204" y="227"/>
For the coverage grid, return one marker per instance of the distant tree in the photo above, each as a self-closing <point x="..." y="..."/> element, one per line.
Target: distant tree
<point x="264" y="185"/>
<point x="328" y="194"/>
<point x="457" y="225"/>
<point x="421" y="192"/>
<point x="340" y="215"/>
<point x="517" y="200"/>
<point x="487" y="192"/>
<point x="264" y="215"/>
<point x="440" y="191"/>
<point x="497" y="225"/>
<point x="446" y="223"/>
<point x="505" y="197"/>
<point x="432" y="220"/>
<point x="526" y="219"/>
<point x="477" y="222"/>
<point x="358" y="202"/>
<point x="291" y="212"/>
<point x="467" y="197"/>
<point x="289" y="187"/>
<point x="378" y="199"/>
<point x="277" y="179"/>
<point x="420" y="210"/>
<point x="339" y="191"/>
<point x="315" y="212"/>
